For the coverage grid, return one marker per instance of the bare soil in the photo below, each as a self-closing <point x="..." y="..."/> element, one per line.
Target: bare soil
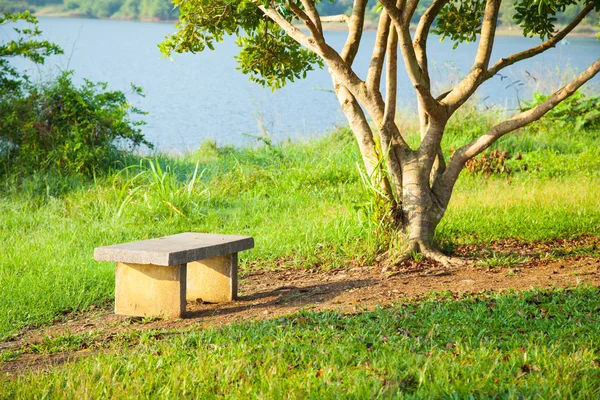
<point x="270" y="294"/>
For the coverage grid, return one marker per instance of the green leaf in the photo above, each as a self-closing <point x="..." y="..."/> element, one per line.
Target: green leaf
<point x="268" y="55"/>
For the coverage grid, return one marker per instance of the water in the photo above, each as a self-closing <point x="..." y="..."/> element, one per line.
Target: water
<point x="200" y="96"/>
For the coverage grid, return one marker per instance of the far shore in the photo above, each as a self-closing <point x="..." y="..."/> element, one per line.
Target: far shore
<point x="55" y="12"/>
<point x="588" y="31"/>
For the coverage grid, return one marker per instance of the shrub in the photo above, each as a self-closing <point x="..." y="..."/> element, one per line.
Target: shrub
<point x="74" y="130"/>
<point x="488" y="163"/>
<point x="58" y="126"/>
<point x="26" y="45"/>
<point x="580" y="110"/>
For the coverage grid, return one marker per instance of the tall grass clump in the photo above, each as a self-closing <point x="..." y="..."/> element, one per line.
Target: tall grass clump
<point x="158" y="187"/>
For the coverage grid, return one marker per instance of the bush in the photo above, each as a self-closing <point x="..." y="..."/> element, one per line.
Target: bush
<point x="58" y="127"/>
<point x="580" y="110"/>
<point x="26" y="45"/>
<point x="73" y="130"/>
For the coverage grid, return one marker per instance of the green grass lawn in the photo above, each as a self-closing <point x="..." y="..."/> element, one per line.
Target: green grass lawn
<point x="538" y="344"/>
<point x="305" y="205"/>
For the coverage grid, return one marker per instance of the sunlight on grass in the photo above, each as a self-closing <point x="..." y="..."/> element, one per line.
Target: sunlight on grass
<point x="304" y="203"/>
<point x="524" y="209"/>
<point x="538" y="343"/>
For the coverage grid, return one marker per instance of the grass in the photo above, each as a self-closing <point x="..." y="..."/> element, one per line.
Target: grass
<point x="526" y="209"/>
<point x="304" y="203"/>
<point x="306" y="206"/>
<point x="551" y="193"/>
<point x="296" y="207"/>
<point x="537" y="344"/>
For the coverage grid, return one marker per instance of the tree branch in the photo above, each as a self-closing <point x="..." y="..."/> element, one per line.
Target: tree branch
<point x="444" y="186"/>
<point x="377" y="59"/>
<point x="408" y="9"/>
<point x="488" y="34"/>
<point x="291" y="30"/>
<point x="392" y="142"/>
<point x="422" y="33"/>
<point x="439" y="166"/>
<point x="505" y="62"/>
<point x="391" y="77"/>
<point x="316" y="33"/>
<point x="338" y="67"/>
<point x="476" y="76"/>
<point x="408" y="54"/>
<point x="364" y="137"/>
<point x="336" y="18"/>
<point x="479" y="73"/>
<point x="356" y="24"/>
<point x="311" y="11"/>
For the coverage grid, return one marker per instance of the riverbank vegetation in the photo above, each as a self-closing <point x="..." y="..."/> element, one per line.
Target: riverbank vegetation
<point x="162" y="10"/>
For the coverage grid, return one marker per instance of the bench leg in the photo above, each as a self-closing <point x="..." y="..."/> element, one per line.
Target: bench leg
<point x="213" y="280"/>
<point x="150" y="290"/>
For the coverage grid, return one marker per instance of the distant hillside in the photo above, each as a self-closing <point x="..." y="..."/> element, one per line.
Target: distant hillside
<point x="154" y="10"/>
<point x="117" y="9"/>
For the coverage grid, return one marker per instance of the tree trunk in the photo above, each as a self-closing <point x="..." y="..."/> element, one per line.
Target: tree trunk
<point x="421" y="214"/>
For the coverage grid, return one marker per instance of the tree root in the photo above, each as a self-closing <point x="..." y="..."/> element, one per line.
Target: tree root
<point x="398" y="257"/>
<point x="408" y="249"/>
<point x="447" y="261"/>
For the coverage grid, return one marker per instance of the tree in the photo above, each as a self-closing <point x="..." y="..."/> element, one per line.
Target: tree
<point x="416" y="183"/>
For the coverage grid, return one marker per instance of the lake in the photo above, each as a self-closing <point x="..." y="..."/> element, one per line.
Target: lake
<point x="202" y="96"/>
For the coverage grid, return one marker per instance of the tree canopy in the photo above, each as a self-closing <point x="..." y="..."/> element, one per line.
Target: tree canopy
<point x="270" y="57"/>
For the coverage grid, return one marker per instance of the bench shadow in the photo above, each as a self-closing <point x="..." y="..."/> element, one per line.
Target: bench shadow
<point x="280" y="297"/>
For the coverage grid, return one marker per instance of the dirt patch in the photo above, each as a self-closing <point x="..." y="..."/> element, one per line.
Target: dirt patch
<point x="270" y="294"/>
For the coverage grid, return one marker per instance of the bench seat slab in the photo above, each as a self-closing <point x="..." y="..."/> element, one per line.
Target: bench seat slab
<point x="213" y="280"/>
<point x="150" y="291"/>
<point x="175" y="249"/>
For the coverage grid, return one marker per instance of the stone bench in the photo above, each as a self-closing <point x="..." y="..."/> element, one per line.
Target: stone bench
<point x="156" y="277"/>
